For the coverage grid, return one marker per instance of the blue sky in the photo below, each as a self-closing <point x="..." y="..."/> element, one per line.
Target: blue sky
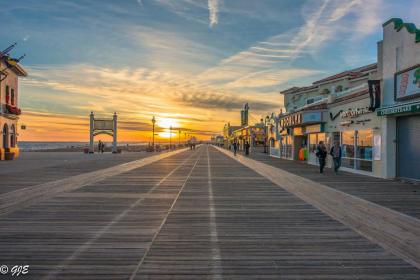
<point x="196" y="61"/>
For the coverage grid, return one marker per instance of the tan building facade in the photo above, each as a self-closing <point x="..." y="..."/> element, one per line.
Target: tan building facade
<point x="9" y="110"/>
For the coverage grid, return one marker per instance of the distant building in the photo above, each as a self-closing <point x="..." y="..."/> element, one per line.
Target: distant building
<point x="9" y="110"/>
<point x="336" y="108"/>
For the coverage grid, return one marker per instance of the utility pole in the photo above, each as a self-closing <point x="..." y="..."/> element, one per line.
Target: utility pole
<point x="153" y="135"/>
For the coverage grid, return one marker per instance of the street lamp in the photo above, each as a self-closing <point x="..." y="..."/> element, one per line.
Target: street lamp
<point x="170" y="137"/>
<point x="153" y="137"/>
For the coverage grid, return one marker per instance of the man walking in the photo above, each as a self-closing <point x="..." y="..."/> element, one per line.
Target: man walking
<point x="235" y="147"/>
<point x="321" y="153"/>
<point x="247" y="146"/>
<point x="335" y="152"/>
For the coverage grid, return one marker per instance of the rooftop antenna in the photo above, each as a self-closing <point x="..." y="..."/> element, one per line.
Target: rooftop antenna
<point x="7" y="50"/>
<point x="10" y="64"/>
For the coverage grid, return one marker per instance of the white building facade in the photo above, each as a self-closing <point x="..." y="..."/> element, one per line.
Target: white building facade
<point x="399" y="64"/>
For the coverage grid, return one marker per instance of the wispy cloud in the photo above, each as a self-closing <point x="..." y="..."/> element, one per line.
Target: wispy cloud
<point x="213" y="12"/>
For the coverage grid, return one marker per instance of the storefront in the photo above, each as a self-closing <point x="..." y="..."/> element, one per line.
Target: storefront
<point x="315" y="135"/>
<point x="357" y="128"/>
<point x="273" y="136"/>
<point x="399" y="57"/>
<point x="300" y="132"/>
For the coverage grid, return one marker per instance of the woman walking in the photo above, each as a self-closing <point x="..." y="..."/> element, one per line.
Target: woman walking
<point x="335" y="152"/>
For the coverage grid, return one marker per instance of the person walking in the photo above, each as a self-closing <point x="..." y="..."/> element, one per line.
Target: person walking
<point x="335" y="152"/>
<point x="100" y="146"/>
<point x="321" y="153"/>
<point x="235" y="147"/>
<point x="247" y="146"/>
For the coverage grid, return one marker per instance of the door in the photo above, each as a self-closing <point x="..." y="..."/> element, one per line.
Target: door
<point x="408" y="147"/>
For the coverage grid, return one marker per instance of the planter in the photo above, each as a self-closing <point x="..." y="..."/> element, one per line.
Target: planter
<point x="9" y="156"/>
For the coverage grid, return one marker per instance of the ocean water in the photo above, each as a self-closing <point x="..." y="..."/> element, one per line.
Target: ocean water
<point x="36" y="146"/>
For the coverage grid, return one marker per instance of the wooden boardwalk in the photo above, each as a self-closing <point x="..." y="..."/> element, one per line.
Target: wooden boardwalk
<point x="194" y="215"/>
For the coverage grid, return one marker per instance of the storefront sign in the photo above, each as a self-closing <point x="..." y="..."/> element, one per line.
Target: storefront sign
<point x="374" y="94"/>
<point x="309" y="117"/>
<point x="291" y="120"/>
<point x="314" y="128"/>
<point x="297" y="131"/>
<point x="300" y="118"/>
<point x="407" y="83"/>
<point x="411" y="108"/>
<point x="354" y="113"/>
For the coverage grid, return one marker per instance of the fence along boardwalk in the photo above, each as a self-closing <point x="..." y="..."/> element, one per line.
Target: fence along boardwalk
<point x="179" y="218"/>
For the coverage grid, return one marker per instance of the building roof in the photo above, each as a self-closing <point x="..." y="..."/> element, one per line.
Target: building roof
<point x="351" y="74"/>
<point x="400" y="24"/>
<point x="354" y="73"/>
<point x="17" y="68"/>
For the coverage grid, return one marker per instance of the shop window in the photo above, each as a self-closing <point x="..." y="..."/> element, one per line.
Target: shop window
<point x="364" y="144"/>
<point x="347" y="142"/>
<point x="357" y="149"/>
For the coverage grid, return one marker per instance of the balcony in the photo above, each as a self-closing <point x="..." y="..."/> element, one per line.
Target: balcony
<point x="10" y="110"/>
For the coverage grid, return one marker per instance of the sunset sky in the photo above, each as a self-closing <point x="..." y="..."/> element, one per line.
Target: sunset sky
<point x="191" y="63"/>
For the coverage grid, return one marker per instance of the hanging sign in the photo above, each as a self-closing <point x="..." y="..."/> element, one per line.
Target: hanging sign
<point x="407" y="83"/>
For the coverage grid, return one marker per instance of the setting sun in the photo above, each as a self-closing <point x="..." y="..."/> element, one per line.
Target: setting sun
<point x="167" y="123"/>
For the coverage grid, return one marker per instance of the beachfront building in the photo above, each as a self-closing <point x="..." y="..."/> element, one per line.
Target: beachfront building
<point x="253" y="134"/>
<point x="337" y="108"/>
<point x="10" y="71"/>
<point x="399" y="65"/>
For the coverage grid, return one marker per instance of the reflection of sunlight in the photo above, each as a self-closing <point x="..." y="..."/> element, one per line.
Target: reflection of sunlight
<point x="166" y="123"/>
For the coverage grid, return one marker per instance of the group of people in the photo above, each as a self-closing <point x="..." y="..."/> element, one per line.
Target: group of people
<point x="335" y="152"/>
<point x="235" y="146"/>
<point x="101" y="147"/>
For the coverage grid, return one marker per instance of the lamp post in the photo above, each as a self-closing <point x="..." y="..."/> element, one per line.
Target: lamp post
<point x="153" y="137"/>
<point x="179" y="136"/>
<point x="267" y="120"/>
<point x="170" y="137"/>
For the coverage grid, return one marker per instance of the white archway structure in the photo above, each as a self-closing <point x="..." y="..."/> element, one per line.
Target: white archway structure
<point x="103" y="126"/>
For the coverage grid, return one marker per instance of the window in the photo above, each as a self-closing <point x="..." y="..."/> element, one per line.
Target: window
<point x="357" y="149"/>
<point x="12" y="97"/>
<point x="364" y="150"/>
<point x="7" y="95"/>
<point x="13" y="137"/>
<point x="347" y="143"/>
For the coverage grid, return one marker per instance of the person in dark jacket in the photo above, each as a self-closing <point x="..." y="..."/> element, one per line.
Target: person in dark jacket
<point x="321" y="153"/>
<point x="235" y="147"/>
<point x="335" y="152"/>
<point x="247" y="146"/>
